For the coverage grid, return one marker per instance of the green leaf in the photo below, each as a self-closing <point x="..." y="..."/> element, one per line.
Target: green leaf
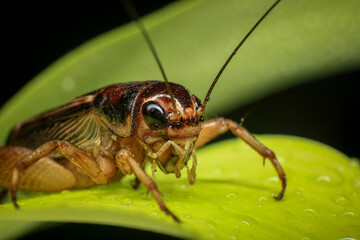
<point x="232" y="198"/>
<point x="298" y="42"/>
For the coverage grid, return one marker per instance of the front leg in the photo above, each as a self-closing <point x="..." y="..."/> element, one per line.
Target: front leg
<point x="215" y="127"/>
<point x="127" y="164"/>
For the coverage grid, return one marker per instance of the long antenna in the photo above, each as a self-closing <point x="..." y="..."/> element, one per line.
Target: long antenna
<point x="135" y="16"/>
<point x="207" y="98"/>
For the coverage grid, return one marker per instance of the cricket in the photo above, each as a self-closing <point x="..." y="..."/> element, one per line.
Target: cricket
<point x="115" y="131"/>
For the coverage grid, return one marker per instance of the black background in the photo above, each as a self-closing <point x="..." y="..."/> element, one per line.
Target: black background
<point x="38" y="33"/>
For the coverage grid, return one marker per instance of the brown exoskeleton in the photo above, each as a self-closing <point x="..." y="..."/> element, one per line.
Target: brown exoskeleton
<point x="114" y="131"/>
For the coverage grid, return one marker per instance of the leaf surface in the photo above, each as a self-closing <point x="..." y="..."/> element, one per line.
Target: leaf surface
<point x="232" y="198"/>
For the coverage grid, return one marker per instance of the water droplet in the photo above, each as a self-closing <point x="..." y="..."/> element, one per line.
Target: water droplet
<point x="263" y="199"/>
<point x="187" y="216"/>
<point x="146" y="196"/>
<point x="217" y="218"/>
<point x="305" y="238"/>
<point x="150" y="205"/>
<point x="349" y="214"/>
<point x="183" y="186"/>
<point x="298" y="193"/>
<point x="311" y="212"/>
<point x="342" y="200"/>
<point x="210" y="225"/>
<point x="126" y="202"/>
<point x="347" y="238"/>
<point x="273" y="179"/>
<point x="329" y="177"/>
<point x="245" y="223"/>
<point x="323" y="179"/>
<point x="231" y="195"/>
<point x="247" y="220"/>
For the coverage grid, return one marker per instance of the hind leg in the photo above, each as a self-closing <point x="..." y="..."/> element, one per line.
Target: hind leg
<point x="99" y="169"/>
<point x="45" y="175"/>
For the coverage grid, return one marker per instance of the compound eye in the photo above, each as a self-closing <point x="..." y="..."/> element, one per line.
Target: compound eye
<point x="154" y="116"/>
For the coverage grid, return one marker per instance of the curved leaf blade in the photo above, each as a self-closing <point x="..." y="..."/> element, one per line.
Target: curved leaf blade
<point x="232" y="197"/>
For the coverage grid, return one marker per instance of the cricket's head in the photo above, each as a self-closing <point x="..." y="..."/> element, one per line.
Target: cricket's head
<point x="169" y="133"/>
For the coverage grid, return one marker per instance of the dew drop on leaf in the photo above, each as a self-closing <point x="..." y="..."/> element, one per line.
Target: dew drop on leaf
<point x="311" y="212"/>
<point x="247" y="220"/>
<point x="349" y="214"/>
<point x="342" y="200"/>
<point x="273" y="179"/>
<point x="261" y="199"/>
<point x="298" y="193"/>
<point x="332" y="178"/>
<point x="245" y="223"/>
<point x="126" y="202"/>
<point x="231" y="195"/>
<point x="217" y="218"/>
<point x="323" y="179"/>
